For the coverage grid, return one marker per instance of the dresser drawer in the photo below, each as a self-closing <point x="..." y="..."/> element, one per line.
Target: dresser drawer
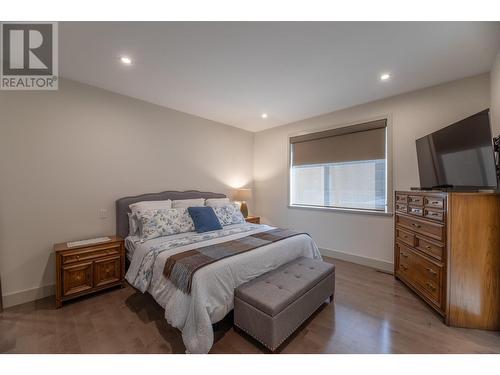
<point x="94" y="253"/>
<point x="434" y="202"/>
<point x="405" y="236"/>
<point x="434" y="214"/>
<point x="401" y="198"/>
<point x="424" y="275"/>
<point x="433" y="230"/>
<point x="427" y="275"/>
<point x="416" y="200"/>
<point x="401" y="207"/>
<point x="417" y="211"/>
<point x="429" y="247"/>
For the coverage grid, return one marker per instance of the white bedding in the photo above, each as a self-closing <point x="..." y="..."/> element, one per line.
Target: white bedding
<point x="213" y="286"/>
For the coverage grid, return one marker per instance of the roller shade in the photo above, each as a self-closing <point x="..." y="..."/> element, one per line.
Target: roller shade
<point x="353" y="143"/>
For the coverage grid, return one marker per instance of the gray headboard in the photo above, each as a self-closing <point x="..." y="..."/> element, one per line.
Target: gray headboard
<point x="122" y="204"/>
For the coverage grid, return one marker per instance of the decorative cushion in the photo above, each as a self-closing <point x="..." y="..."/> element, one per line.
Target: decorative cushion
<point x="229" y="214"/>
<point x="155" y="223"/>
<point x="204" y="219"/>
<point x="216" y="202"/>
<point x="185" y="203"/>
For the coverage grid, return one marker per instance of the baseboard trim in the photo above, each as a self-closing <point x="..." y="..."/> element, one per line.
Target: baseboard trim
<point x="364" y="261"/>
<point x="28" y="295"/>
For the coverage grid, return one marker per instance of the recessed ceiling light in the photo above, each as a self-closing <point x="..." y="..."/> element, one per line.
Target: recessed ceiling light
<point x="126" y="60"/>
<point x="264" y="115"/>
<point x="385" y="76"/>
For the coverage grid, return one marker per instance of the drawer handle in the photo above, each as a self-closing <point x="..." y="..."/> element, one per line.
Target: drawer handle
<point x="403" y="267"/>
<point x="416" y="225"/>
<point x="434" y="203"/>
<point x="433" y="214"/>
<point x="404" y="255"/>
<point x="78" y="257"/>
<point x="428" y="247"/>
<point x="430" y="286"/>
<point x="431" y="271"/>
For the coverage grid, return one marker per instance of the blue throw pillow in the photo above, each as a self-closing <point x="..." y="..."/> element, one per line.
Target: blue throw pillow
<point x="204" y="219"/>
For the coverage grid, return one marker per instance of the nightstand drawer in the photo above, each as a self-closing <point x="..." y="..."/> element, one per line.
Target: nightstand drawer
<point x="99" y="252"/>
<point x="107" y="271"/>
<point x="77" y="278"/>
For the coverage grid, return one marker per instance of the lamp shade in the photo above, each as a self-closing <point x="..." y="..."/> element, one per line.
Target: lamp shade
<point x="242" y="195"/>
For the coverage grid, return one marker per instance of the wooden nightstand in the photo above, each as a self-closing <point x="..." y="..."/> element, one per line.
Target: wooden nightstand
<point x="253" y="219"/>
<point x="86" y="269"/>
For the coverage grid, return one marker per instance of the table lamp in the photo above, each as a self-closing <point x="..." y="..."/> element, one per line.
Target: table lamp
<point x="242" y="195"/>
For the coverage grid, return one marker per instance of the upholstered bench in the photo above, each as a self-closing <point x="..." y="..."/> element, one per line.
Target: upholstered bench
<point x="272" y="306"/>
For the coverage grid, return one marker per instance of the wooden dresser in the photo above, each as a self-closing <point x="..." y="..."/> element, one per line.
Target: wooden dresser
<point x="447" y="250"/>
<point x="86" y="269"/>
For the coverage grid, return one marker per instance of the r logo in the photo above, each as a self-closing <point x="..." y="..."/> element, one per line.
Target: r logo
<point x="27" y="49"/>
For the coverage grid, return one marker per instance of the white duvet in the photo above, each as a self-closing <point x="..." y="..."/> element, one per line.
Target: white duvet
<point x="213" y="286"/>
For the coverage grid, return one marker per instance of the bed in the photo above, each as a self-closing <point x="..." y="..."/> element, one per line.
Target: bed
<point x="213" y="286"/>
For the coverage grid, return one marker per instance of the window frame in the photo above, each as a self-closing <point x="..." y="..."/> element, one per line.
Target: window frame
<point x="389" y="190"/>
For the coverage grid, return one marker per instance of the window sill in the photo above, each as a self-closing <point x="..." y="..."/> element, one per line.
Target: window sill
<point x="343" y="210"/>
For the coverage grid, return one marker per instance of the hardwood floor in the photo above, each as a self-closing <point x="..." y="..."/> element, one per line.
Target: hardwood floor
<point x="372" y="313"/>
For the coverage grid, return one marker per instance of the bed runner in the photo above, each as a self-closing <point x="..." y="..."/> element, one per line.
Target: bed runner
<point x="180" y="268"/>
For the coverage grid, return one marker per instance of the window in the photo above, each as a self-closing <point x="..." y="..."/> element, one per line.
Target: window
<point x="340" y="168"/>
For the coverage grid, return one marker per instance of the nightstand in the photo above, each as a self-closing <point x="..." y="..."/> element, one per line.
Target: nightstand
<point x="253" y="219"/>
<point x="87" y="269"/>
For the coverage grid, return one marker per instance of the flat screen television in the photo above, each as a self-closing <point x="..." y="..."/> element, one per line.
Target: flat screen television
<point x="459" y="156"/>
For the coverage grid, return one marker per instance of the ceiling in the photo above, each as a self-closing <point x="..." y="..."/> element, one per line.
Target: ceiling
<point x="232" y="72"/>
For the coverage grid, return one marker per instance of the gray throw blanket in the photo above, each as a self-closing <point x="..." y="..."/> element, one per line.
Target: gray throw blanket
<point x="181" y="267"/>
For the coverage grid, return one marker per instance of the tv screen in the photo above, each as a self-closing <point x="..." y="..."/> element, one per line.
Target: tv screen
<point x="459" y="156"/>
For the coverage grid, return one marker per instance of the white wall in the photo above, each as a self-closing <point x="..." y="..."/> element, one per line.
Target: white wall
<point x="66" y="154"/>
<point x="413" y="115"/>
<point x="495" y="96"/>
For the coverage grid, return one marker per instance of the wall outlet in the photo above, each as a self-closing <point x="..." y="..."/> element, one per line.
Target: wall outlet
<point x="103" y="213"/>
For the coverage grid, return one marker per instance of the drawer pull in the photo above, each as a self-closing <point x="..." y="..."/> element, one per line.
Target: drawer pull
<point x="431" y="271"/>
<point x="430" y="286"/>
<point x="78" y="257"/>
<point x="416" y="225"/>
<point x="428" y="247"/>
<point x="404" y="255"/>
<point x="403" y="267"/>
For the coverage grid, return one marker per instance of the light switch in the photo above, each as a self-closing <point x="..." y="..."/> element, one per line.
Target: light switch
<point x="103" y="213"/>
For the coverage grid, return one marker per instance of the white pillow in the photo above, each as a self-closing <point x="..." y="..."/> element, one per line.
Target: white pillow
<point x="136" y="208"/>
<point x="185" y="203"/>
<point x="133" y="225"/>
<point x="216" y="202"/>
<point x="229" y="214"/>
<point x="164" y="222"/>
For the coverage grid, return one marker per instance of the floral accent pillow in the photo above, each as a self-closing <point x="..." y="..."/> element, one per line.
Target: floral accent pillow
<point x="229" y="214"/>
<point x="161" y="222"/>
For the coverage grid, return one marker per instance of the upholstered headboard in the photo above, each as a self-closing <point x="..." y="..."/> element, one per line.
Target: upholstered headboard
<point x="122" y="204"/>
